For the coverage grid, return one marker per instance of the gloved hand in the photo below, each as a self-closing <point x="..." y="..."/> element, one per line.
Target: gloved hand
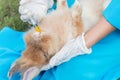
<point x="34" y="9"/>
<point x="71" y="49"/>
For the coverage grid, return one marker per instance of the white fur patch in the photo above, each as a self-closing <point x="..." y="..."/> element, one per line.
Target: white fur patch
<point x="36" y="35"/>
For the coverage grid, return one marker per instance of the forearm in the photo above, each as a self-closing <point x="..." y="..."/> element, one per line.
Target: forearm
<point x="97" y="32"/>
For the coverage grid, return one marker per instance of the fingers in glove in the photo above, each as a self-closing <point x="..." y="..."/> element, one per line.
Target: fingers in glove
<point x="23" y="10"/>
<point x="25" y="18"/>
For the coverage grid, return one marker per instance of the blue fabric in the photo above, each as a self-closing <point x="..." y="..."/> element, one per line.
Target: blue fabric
<point x="102" y="64"/>
<point x="112" y="13"/>
<point x="11" y="46"/>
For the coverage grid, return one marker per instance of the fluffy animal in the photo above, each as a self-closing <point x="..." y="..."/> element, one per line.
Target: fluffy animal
<point x="58" y="27"/>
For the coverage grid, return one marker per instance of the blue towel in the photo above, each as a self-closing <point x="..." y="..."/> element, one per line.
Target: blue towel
<point x="11" y="46"/>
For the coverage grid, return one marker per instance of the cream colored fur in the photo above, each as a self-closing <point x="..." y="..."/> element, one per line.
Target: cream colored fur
<point x="92" y="11"/>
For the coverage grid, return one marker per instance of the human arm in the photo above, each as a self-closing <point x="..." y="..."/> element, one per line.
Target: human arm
<point x="105" y="24"/>
<point x="34" y="9"/>
<point x="99" y="31"/>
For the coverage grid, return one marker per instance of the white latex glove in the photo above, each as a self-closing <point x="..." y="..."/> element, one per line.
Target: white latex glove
<point x="34" y="9"/>
<point x="71" y="49"/>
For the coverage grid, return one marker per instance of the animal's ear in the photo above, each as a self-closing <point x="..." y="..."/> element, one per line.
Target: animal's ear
<point x="61" y="4"/>
<point x="14" y="69"/>
<point x="31" y="73"/>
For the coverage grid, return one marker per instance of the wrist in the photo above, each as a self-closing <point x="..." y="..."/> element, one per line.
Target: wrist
<point x="81" y="44"/>
<point x="85" y="46"/>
